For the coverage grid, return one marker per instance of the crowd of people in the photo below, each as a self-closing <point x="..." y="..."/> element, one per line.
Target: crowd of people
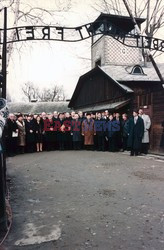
<point x="102" y="131"/>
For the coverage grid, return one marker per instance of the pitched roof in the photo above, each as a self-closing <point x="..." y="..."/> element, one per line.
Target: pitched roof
<point x="108" y="106"/>
<point x="94" y="70"/>
<point x="122" y="73"/>
<point x="123" y="86"/>
<point x="124" y="23"/>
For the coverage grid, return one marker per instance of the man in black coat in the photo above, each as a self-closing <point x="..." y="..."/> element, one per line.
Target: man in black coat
<point x="11" y="131"/>
<point x="117" y="133"/>
<point x="136" y="132"/>
<point x="100" y="132"/>
<point x="125" y="130"/>
<point x="76" y="132"/>
<point x="68" y="138"/>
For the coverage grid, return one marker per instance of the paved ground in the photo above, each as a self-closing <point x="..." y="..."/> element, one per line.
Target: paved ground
<point x="86" y="200"/>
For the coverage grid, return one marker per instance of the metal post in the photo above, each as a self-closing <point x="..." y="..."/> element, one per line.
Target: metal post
<point x="3" y="217"/>
<point x="4" y="55"/>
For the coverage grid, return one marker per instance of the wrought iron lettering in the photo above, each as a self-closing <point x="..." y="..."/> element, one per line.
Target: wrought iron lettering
<point x="68" y="34"/>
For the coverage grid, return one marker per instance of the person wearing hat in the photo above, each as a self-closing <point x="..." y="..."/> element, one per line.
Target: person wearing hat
<point x="135" y="132"/>
<point x="88" y="131"/>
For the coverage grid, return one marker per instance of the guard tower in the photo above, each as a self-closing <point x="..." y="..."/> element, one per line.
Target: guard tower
<point x="106" y="50"/>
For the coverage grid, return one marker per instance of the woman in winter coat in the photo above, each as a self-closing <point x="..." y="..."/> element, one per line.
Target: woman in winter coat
<point x="39" y="134"/>
<point x="30" y="125"/>
<point x="88" y="131"/>
<point x="21" y="133"/>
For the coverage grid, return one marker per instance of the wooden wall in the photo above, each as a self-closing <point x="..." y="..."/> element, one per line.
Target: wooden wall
<point x="150" y="97"/>
<point x="158" y="117"/>
<point x="97" y="89"/>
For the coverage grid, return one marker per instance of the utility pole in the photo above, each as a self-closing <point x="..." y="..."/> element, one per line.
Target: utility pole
<point x="147" y="51"/>
<point x="4" y="55"/>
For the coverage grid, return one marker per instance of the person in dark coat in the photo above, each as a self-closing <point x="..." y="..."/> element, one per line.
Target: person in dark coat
<point x="39" y="134"/>
<point x="30" y="126"/>
<point x="81" y="116"/>
<point x="100" y="132"/>
<point x="55" y="134"/>
<point x="162" y="137"/>
<point x="68" y="138"/>
<point x="136" y="132"/>
<point x="110" y="134"/>
<point x="44" y="122"/>
<point x="11" y="133"/>
<point x="76" y="132"/>
<point x="117" y="134"/>
<point x="125" y="129"/>
<point x="50" y="143"/>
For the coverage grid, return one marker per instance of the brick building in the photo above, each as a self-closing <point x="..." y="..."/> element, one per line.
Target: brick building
<point x="119" y="79"/>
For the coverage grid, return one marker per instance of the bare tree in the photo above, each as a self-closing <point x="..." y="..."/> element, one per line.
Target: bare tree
<point x="154" y="13"/>
<point x="52" y="94"/>
<point x="109" y="6"/>
<point x="55" y="93"/>
<point x="30" y="91"/>
<point x="152" y="10"/>
<point x="24" y="13"/>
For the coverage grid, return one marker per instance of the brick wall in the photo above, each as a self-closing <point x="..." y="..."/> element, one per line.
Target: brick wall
<point x="113" y="52"/>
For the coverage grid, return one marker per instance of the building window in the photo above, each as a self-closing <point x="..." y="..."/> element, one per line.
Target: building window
<point x="137" y="70"/>
<point x="145" y="100"/>
<point x="98" y="62"/>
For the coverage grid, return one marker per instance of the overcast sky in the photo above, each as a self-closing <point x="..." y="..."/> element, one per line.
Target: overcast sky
<point x="46" y="63"/>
